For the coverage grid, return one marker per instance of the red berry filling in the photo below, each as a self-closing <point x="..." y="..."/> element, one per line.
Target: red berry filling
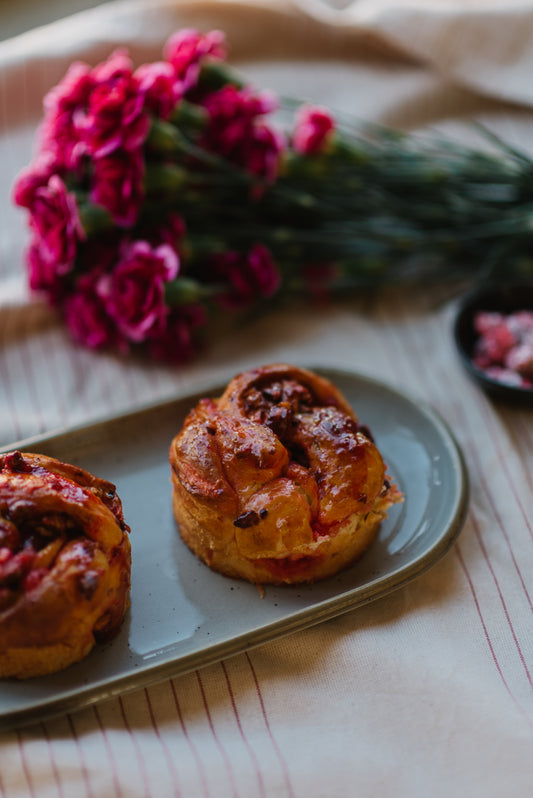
<point x="25" y="543"/>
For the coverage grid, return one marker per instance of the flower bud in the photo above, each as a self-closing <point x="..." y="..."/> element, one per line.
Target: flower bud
<point x="94" y="218"/>
<point x="164" y="138"/>
<point x="214" y="74"/>
<point x="189" y="117"/>
<point x="165" y="178"/>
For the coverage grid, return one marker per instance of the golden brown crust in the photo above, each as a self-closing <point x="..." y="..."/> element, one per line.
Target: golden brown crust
<point x="65" y="564"/>
<point x="275" y="481"/>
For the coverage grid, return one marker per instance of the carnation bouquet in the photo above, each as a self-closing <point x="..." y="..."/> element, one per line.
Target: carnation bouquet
<point x="164" y="193"/>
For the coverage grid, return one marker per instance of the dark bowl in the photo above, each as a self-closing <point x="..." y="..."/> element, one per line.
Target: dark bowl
<point x="498" y="298"/>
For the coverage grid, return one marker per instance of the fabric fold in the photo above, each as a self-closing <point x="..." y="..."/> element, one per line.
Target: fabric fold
<point x="462" y="42"/>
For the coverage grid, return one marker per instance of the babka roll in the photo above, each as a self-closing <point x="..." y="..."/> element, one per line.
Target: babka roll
<point x="65" y="564"/>
<point x="276" y="481"/>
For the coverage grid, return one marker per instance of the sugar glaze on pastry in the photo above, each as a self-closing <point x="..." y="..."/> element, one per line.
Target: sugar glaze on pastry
<point x="65" y="564"/>
<point x="275" y="481"/>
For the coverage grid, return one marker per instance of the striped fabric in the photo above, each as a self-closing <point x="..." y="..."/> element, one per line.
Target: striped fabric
<point x="427" y="692"/>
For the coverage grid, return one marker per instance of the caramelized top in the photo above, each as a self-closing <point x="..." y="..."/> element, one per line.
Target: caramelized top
<point x="282" y="451"/>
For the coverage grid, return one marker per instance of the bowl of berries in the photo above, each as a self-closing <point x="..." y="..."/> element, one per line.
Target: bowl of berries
<point x="493" y="332"/>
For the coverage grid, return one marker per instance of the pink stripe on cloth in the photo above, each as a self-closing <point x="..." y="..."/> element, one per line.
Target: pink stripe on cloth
<point x="253" y="757"/>
<point x="500" y="522"/>
<point x="83" y="763"/>
<point x="25" y="767"/>
<point x="136" y="746"/>
<point x="487" y="636"/>
<point x="55" y="770"/>
<point x="190" y="743"/>
<point x="114" y="772"/>
<point x="501" y="597"/>
<point x="164" y="746"/>
<point x="279" y="755"/>
<point x="223" y="752"/>
<point x="503" y="461"/>
<point x="523" y="441"/>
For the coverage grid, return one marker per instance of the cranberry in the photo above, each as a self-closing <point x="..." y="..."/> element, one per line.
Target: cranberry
<point x="504" y="348"/>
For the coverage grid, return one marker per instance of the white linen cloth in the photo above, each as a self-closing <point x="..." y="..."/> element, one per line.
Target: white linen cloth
<point x="428" y="691"/>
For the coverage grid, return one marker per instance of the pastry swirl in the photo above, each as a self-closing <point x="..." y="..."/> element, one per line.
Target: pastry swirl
<point x="275" y="481"/>
<point x="65" y="564"/>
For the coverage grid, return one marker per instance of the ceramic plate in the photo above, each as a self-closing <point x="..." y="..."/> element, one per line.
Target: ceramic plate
<point x="184" y="616"/>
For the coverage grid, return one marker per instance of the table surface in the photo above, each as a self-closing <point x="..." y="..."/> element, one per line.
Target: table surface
<point x="428" y="690"/>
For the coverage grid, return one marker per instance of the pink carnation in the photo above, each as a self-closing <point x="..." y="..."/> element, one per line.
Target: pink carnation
<point x="313" y="129"/>
<point x="58" y="136"/>
<point x="56" y="233"/>
<point x="250" y="276"/>
<point x="237" y="132"/>
<point x="159" y="87"/>
<point x="72" y="91"/>
<point x="115" y="116"/>
<point x="31" y="179"/>
<point x="177" y="343"/>
<point x="186" y="50"/>
<point x="117" y="185"/>
<point x="133" y="294"/>
<point x="42" y="275"/>
<point x="264" y="150"/>
<point x="85" y="314"/>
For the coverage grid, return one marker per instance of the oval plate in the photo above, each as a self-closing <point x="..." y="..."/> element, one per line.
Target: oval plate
<point x="183" y="615"/>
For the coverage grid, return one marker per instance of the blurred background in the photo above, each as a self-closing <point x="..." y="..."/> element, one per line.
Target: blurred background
<point x="21" y="15"/>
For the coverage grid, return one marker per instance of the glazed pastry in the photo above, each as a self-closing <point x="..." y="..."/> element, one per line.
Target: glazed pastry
<point x="65" y="564"/>
<point x="276" y="481"/>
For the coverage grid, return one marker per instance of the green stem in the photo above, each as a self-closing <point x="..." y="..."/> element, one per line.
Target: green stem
<point x="185" y="291"/>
